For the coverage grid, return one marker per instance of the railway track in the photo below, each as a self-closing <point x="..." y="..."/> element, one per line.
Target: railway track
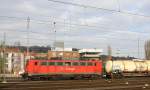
<point x="142" y="83"/>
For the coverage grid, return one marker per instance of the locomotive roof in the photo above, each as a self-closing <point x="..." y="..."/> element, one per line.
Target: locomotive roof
<point x="65" y="60"/>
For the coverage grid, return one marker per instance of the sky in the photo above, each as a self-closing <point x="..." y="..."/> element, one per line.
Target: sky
<point x="78" y="27"/>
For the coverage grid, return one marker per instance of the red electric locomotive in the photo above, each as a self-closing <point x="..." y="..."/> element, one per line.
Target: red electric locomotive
<point x="57" y="68"/>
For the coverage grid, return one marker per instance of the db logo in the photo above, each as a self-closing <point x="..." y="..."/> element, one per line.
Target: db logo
<point x="70" y="69"/>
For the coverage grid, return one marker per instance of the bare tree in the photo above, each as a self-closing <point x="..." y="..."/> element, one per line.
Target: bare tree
<point x="147" y="49"/>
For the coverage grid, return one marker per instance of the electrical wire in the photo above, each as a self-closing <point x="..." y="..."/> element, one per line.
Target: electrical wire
<point x="92" y="27"/>
<point x="98" y="8"/>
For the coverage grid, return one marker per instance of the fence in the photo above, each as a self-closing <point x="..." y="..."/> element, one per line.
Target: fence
<point x="10" y="77"/>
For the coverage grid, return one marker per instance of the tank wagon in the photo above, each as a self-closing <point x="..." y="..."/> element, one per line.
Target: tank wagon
<point x="47" y="69"/>
<point x="121" y="68"/>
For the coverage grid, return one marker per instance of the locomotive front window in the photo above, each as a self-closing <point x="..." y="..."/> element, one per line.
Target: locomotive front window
<point x="43" y="63"/>
<point x="82" y="63"/>
<point x="59" y="63"/>
<point x="51" y="63"/>
<point x="75" y="64"/>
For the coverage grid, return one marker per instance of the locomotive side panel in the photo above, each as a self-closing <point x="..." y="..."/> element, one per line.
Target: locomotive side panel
<point x="63" y="67"/>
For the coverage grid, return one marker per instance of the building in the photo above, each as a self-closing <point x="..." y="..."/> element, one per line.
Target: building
<point x="88" y="54"/>
<point x="12" y="59"/>
<point x="15" y="62"/>
<point x="65" y="54"/>
<point x="74" y="54"/>
<point x="40" y="56"/>
<point x="35" y="55"/>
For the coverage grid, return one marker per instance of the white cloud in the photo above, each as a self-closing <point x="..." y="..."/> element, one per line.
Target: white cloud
<point x="91" y="27"/>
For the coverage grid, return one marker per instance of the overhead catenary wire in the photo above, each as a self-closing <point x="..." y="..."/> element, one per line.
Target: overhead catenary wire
<point x="76" y="24"/>
<point x="58" y="22"/>
<point x="31" y="43"/>
<point x="43" y="39"/>
<point x="44" y="20"/>
<point x="70" y="26"/>
<point x="99" y="8"/>
<point x="81" y="5"/>
<point x="40" y="33"/>
<point x="73" y="26"/>
<point x="101" y="26"/>
<point x="43" y="33"/>
<point x="24" y="31"/>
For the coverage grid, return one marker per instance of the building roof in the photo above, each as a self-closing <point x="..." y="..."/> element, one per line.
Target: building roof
<point x="90" y="50"/>
<point x="63" y="49"/>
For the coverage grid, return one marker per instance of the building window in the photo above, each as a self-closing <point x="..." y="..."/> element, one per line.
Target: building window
<point x="12" y="60"/>
<point x="6" y="54"/>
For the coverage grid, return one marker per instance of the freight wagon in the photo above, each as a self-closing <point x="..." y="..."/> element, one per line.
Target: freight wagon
<point x="47" y="69"/>
<point x="122" y="68"/>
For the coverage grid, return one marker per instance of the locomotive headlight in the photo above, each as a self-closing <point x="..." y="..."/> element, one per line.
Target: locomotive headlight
<point x="21" y="72"/>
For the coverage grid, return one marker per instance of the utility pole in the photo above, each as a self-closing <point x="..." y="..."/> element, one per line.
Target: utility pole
<point x="28" y="52"/>
<point x="55" y="34"/>
<point x="1" y="60"/>
<point x="109" y="52"/>
<point x="4" y="59"/>
<point x="55" y="40"/>
<point x="28" y="26"/>
<point x="118" y="2"/>
<point x="138" y="48"/>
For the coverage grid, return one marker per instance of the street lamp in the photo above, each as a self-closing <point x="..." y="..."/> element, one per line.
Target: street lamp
<point x="4" y="60"/>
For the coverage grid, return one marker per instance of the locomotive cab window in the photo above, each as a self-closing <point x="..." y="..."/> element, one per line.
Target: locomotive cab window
<point x="43" y="63"/>
<point x="82" y="63"/>
<point x="51" y="63"/>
